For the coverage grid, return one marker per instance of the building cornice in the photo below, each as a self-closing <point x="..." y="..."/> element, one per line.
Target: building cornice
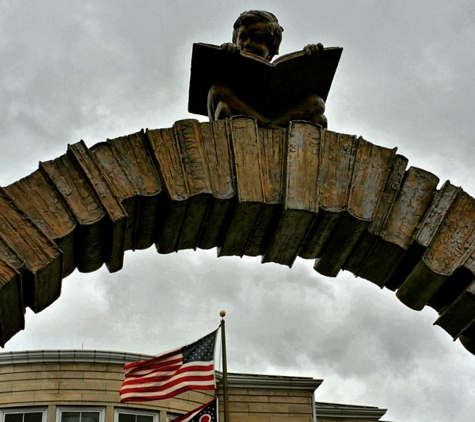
<point x="69" y="356"/>
<point x="236" y="380"/>
<point x="333" y="410"/>
<point x="258" y="381"/>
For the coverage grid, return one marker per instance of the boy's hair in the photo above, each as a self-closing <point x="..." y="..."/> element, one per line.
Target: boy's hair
<point x="274" y="30"/>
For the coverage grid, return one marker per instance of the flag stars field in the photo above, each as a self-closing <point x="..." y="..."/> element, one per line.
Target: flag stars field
<point x="202" y="350"/>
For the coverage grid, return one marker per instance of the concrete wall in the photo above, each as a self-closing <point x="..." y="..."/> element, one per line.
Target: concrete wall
<point x="78" y="384"/>
<point x="47" y="379"/>
<point x="266" y="405"/>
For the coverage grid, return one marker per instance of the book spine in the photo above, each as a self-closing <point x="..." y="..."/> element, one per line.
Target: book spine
<point x="449" y="249"/>
<point x="337" y="158"/>
<point x="86" y="209"/>
<point x="216" y="138"/>
<point x="37" y="198"/>
<point x="180" y="157"/>
<point x="368" y="172"/>
<point x="167" y="155"/>
<point x="12" y="310"/>
<point x="121" y="187"/>
<point x="435" y="215"/>
<point x="134" y="159"/>
<point x="373" y="165"/>
<point x="42" y="258"/>
<point x="249" y="186"/>
<point x="336" y="170"/>
<point x="407" y="211"/>
<point x="270" y="147"/>
<point x="116" y="215"/>
<point x="301" y="201"/>
<point x="467" y="338"/>
<point x="460" y="315"/>
<point x="369" y="239"/>
<point x="426" y="230"/>
<point x="188" y="138"/>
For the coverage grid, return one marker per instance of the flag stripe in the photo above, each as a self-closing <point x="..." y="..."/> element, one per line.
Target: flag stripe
<point x="201" y="380"/>
<point x="142" y="398"/>
<point x="150" y="373"/>
<point x="153" y="387"/>
<point x="182" y="371"/>
<point x="150" y="368"/>
<point x="166" y="375"/>
<point x="158" y="361"/>
<point x="160" y="395"/>
<point x="163" y="356"/>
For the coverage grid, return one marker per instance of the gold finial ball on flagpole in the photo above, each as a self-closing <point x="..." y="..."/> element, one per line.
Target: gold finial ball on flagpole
<point x="222" y="314"/>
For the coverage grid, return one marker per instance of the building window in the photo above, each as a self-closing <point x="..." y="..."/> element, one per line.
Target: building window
<point x="171" y="416"/>
<point x="23" y="415"/>
<point x="126" y="415"/>
<point x="76" y="414"/>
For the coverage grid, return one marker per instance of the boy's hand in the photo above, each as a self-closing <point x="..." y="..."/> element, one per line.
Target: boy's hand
<point x="313" y="49"/>
<point x="230" y="48"/>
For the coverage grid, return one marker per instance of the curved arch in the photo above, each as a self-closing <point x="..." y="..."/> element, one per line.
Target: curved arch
<point x="280" y="193"/>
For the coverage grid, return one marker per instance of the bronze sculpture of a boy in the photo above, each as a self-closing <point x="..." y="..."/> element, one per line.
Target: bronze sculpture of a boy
<point x="259" y="33"/>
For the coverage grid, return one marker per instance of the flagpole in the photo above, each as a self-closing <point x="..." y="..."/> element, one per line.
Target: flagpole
<point x="222" y="314"/>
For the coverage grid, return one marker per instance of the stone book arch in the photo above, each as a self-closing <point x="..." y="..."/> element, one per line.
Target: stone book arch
<point x="280" y="193"/>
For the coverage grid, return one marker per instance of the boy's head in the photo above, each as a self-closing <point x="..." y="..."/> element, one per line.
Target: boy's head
<point x="272" y="35"/>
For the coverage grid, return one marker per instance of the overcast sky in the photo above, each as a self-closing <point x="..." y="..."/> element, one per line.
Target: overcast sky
<point x="97" y="69"/>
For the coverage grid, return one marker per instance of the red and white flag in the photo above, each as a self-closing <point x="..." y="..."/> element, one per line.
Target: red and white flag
<point x="208" y="412"/>
<point x="169" y="374"/>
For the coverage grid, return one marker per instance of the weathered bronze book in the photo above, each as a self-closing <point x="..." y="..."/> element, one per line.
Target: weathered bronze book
<point x="450" y="247"/>
<point x="180" y="154"/>
<point x="459" y="316"/>
<point x="426" y="231"/>
<point x="368" y="171"/>
<point x="268" y="87"/>
<point x="117" y="217"/>
<point x="337" y="155"/>
<point x="300" y="192"/>
<point x="372" y="236"/>
<point x="128" y="166"/>
<point x="90" y="236"/>
<point x="407" y="211"/>
<point x="38" y="198"/>
<point x="21" y="241"/>
<point x="216" y="140"/>
<point x="12" y="309"/>
<point x="257" y="185"/>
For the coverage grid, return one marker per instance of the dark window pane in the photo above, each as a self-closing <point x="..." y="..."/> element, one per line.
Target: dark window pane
<point x="14" y="417"/>
<point x="126" y="417"/>
<point x="144" y="418"/>
<point x="89" y="416"/>
<point x="33" y="417"/>
<point x="70" y="417"/>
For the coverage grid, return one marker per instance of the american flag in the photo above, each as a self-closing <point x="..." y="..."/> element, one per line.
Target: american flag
<point x="169" y="374"/>
<point x="208" y="412"/>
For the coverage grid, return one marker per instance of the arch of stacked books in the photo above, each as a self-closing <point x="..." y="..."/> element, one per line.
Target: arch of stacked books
<point x="301" y="191"/>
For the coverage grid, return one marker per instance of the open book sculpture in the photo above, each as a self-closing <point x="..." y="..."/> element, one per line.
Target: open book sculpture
<point x="267" y="86"/>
